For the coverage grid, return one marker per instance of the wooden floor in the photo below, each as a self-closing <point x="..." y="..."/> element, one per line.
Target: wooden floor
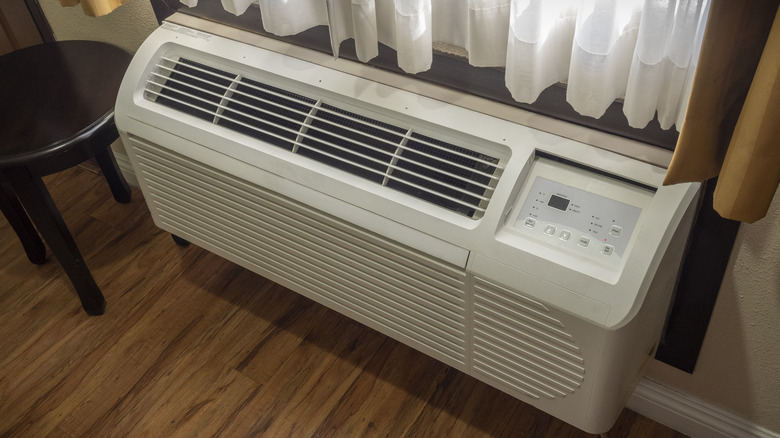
<point x="192" y="345"/>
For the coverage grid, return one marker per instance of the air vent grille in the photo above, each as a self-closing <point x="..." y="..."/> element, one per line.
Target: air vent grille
<point x="519" y="342"/>
<point x="439" y="172"/>
<point x="397" y="290"/>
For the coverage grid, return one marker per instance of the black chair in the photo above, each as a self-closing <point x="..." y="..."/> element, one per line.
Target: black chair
<point x="57" y="110"/>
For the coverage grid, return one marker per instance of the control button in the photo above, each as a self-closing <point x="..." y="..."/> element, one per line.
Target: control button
<point x="615" y="231"/>
<point x="549" y="230"/>
<point x="529" y="222"/>
<point x="565" y="235"/>
<point x="607" y="249"/>
<point x="584" y="241"/>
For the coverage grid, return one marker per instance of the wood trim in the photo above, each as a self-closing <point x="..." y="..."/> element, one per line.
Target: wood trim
<point x="164" y="8"/>
<point x="40" y="21"/>
<point x="18" y="29"/>
<point x="709" y="250"/>
<point x="6" y="46"/>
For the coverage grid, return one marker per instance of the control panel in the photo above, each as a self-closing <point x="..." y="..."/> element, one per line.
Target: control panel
<point x="584" y="221"/>
<point x="581" y="212"/>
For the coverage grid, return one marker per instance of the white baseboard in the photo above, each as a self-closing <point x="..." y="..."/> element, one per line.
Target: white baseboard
<point x="691" y="416"/>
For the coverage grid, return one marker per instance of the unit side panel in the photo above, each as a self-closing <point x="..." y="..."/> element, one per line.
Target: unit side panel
<point x="534" y="351"/>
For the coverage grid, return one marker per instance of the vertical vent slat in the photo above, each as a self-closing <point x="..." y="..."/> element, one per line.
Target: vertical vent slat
<point x="449" y="176"/>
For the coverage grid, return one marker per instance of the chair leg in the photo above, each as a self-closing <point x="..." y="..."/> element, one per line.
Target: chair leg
<point x="21" y="224"/>
<point x="35" y="198"/>
<point x="119" y="187"/>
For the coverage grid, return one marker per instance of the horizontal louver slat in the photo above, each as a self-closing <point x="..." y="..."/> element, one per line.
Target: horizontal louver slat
<point x="519" y="342"/>
<point x="449" y="176"/>
<point x="395" y="289"/>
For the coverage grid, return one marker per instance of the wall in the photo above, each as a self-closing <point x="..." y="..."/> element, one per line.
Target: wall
<point x="740" y="360"/>
<point x="126" y="27"/>
<point x="739" y="365"/>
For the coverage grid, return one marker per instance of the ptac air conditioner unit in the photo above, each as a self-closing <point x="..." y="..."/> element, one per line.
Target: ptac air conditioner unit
<point x="537" y="264"/>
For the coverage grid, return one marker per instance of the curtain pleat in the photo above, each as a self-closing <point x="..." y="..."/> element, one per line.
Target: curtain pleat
<point x="661" y="61"/>
<point x="487" y="22"/>
<point x="641" y="51"/>
<point x="363" y="14"/>
<point x="413" y="35"/>
<point x="732" y="126"/>
<point x="95" y="8"/>
<point x="604" y="40"/>
<point x="450" y="19"/>
<point x="289" y="17"/>
<point x="236" y="7"/>
<point x="539" y="31"/>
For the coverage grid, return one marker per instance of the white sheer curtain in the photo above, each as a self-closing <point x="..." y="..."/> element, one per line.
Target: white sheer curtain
<point x="641" y="51"/>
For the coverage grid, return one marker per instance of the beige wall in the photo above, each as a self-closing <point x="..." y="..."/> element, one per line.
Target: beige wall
<point x="739" y="367"/>
<point x="127" y="27"/>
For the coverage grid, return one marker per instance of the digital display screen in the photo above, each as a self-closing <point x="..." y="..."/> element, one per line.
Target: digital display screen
<point x="558" y="202"/>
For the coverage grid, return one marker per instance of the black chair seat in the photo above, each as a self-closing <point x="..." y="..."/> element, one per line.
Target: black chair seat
<point x="57" y="110"/>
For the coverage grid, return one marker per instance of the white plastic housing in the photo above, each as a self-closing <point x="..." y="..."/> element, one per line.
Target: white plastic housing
<point x="563" y="327"/>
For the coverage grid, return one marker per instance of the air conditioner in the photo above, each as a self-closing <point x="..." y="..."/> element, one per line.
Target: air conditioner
<point x="540" y="265"/>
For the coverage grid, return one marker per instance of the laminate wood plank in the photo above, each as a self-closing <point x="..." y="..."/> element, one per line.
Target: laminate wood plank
<point x="258" y="339"/>
<point x="193" y="345"/>
<point x="632" y="425"/>
<point x="458" y="407"/>
<point x="312" y="381"/>
<point x="145" y="355"/>
<point x="59" y="348"/>
<point x="193" y="312"/>
<point x="201" y="397"/>
<point x="23" y="308"/>
<point x="56" y="362"/>
<point x="57" y="433"/>
<point x="388" y="396"/>
<point x="22" y="303"/>
<point x="463" y="406"/>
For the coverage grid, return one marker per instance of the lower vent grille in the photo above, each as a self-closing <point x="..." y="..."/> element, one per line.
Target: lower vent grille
<point x="392" y="288"/>
<point x="447" y="175"/>
<point x="519" y="343"/>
